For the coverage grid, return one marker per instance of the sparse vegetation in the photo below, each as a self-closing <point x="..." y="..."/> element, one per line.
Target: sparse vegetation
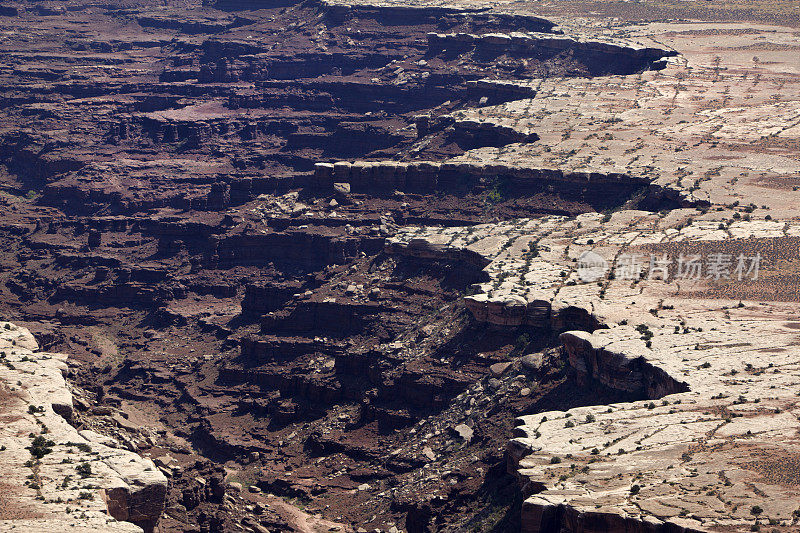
<point x="84" y="470"/>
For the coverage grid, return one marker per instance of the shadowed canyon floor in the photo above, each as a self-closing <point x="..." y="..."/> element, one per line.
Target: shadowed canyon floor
<point x="318" y="266"/>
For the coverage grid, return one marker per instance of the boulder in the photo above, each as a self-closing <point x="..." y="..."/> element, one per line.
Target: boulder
<point x="498" y="369"/>
<point x="533" y="362"/>
<point x="341" y="188"/>
<point x="464" y="431"/>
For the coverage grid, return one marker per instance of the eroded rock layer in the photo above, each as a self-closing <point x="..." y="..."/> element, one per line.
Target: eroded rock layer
<point x="54" y="475"/>
<point x="320" y="262"/>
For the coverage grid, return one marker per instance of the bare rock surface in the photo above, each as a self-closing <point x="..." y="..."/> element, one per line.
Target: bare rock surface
<point x="54" y="476"/>
<point x="709" y="444"/>
<point x="714" y="367"/>
<point x="325" y="265"/>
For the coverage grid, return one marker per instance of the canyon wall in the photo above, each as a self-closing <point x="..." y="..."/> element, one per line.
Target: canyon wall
<point x="56" y="476"/>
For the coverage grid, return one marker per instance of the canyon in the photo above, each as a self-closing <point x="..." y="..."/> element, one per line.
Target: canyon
<point x="320" y="266"/>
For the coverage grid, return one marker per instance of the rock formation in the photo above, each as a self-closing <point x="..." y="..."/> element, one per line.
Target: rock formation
<point x="54" y="475"/>
<point x="324" y="266"/>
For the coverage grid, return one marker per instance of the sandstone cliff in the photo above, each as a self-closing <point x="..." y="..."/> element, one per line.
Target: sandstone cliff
<point x="53" y="475"/>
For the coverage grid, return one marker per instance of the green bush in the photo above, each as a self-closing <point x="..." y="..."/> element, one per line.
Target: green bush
<point x="84" y="469"/>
